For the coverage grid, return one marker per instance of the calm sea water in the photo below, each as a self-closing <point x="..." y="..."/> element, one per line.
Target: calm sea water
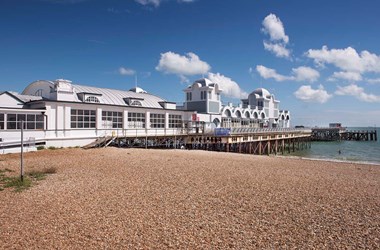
<point x="356" y="151"/>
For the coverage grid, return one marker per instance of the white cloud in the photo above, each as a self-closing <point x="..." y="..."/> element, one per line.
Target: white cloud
<point x="298" y="74"/>
<point x="307" y="94"/>
<point x="184" y="79"/>
<point x="273" y="26"/>
<point x="305" y="74"/>
<point x="190" y="64"/>
<point x="357" y="92"/>
<point x="267" y="73"/>
<point x="230" y="88"/>
<point x="349" y="76"/>
<point x="157" y="3"/>
<point x="373" y="81"/>
<point x="278" y="49"/>
<point x="126" y="71"/>
<point x="347" y="59"/>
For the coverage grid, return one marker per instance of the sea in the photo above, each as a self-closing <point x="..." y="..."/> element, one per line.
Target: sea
<point x="347" y="151"/>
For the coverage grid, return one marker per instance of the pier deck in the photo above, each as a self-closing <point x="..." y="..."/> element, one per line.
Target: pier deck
<point x="239" y="140"/>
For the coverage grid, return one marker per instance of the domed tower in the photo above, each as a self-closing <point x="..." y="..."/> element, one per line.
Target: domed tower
<point x="203" y="96"/>
<point x="262" y="100"/>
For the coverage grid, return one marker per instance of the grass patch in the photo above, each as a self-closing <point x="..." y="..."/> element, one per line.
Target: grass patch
<point x="40" y="147"/>
<point x="29" y="178"/>
<point x="16" y="183"/>
<point x="52" y="148"/>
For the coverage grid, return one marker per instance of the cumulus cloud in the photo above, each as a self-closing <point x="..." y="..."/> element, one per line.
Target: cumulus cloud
<point x="348" y="59"/>
<point x="157" y="3"/>
<point x="373" y="81"/>
<point x="305" y="74"/>
<point x="273" y="26"/>
<point x="268" y="73"/>
<point x="126" y="71"/>
<point x="298" y="74"/>
<point x="349" y="76"/>
<point x="230" y="88"/>
<point x="357" y="92"/>
<point x="307" y="94"/>
<point x="278" y="49"/>
<point x="189" y="64"/>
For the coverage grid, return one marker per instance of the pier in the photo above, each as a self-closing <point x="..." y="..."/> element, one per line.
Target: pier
<point x="258" y="141"/>
<point x="338" y="133"/>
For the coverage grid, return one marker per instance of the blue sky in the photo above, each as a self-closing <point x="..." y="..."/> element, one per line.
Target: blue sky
<point x="321" y="59"/>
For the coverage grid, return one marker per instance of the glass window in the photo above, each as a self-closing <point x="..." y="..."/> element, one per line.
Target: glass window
<point x="175" y="121"/>
<point x="31" y="121"/>
<point x="112" y="119"/>
<point x="92" y="99"/>
<point x="136" y="120"/>
<point x="2" y="121"/>
<point x="83" y="118"/>
<point x="157" y="120"/>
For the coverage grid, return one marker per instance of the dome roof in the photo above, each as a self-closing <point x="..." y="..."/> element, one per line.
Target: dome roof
<point x="138" y="90"/>
<point x="261" y="92"/>
<point x="204" y="82"/>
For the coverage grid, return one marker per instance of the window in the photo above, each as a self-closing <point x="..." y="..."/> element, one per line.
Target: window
<point x="157" y="120"/>
<point x="203" y="95"/>
<point x="83" y="118"/>
<point x="209" y="95"/>
<point x="226" y="122"/>
<point x="175" y="121"/>
<point x="136" y="103"/>
<point x="92" y="99"/>
<point x="31" y="121"/>
<point x="112" y="119"/>
<point x="2" y="121"/>
<point x="188" y="96"/>
<point x="136" y="120"/>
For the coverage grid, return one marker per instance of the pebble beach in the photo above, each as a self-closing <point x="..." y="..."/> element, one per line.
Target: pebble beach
<point x="113" y="198"/>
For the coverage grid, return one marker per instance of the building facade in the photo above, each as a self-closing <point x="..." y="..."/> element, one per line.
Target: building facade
<point x="62" y="114"/>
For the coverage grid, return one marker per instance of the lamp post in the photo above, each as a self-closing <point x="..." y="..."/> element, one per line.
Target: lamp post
<point x="22" y="152"/>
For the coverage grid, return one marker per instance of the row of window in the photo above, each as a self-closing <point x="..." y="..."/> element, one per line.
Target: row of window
<point x="31" y="121"/>
<point x="87" y="119"/>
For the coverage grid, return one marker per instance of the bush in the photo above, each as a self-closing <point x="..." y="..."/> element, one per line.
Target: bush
<point x="40" y="147"/>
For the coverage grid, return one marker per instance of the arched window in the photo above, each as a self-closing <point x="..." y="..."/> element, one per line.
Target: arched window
<point x="262" y="115"/>
<point x="136" y="103"/>
<point x="92" y="99"/>
<point x="255" y="115"/>
<point x="238" y="114"/>
<point x="216" y="121"/>
<point x="227" y="112"/>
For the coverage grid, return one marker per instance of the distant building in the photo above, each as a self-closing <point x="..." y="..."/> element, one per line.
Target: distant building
<point x="335" y="125"/>
<point x="62" y="113"/>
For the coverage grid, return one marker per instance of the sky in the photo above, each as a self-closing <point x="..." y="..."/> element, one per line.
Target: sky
<point x="321" y="59"/>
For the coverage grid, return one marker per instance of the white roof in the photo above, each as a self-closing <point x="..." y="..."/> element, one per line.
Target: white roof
<point x="106" y="96"/>
<point x="116" y="97"/>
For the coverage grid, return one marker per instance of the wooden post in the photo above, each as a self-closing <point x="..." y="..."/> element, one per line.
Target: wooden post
<point x="259" y="147"/>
